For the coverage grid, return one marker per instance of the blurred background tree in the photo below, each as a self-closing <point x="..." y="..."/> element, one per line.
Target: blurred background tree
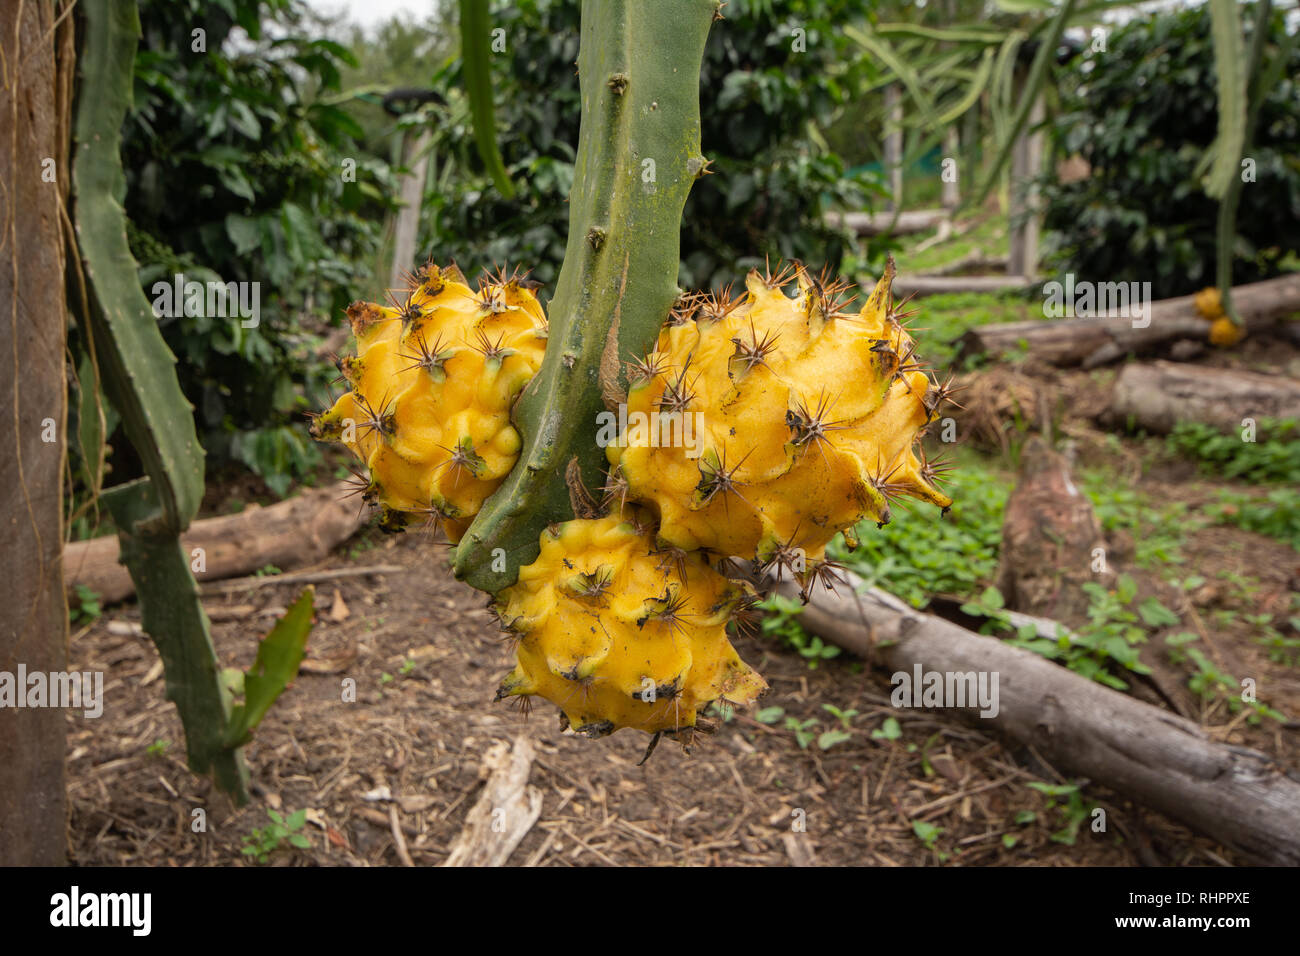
<point x="776" y="73"/>
<point x="1144" y="114"/>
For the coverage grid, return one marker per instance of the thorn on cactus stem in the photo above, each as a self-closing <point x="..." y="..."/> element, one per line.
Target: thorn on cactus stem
<point x="616" y="486"/>
<point x="431" y="358"/>
<point x="382" y="421"/>
<point x="462" y="459"/>
<point x="408" y="310"/>
<point x="756" y="350"/>
<point x="669" y="610"/>
<point x="809" y="425"/>
<point x="642" y="370"/>
<point x="716" y="477"/>
<point x="617" y="83"/>
<point x="491" y="350"/>
<point x="779" y="279"/>
<point x="829" y="292"/>
<point x="674" y="558"/>
<point x="939" y="394"/>
<point x="593" y="585"/>
<point x="596" y="237"/>
<point x="698" y="166"/>
<point x="827" y="573"/>
<point x="684" y="308"/>
<point x="716" y="306"/>
<point x="654" y="742"/>
<point x="677" y="395"/>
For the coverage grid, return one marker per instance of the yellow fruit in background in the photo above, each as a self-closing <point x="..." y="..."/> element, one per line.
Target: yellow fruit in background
<point x="1208" y="303"/>
<point x="618" y="634"/>
<point x="1225" y="332"/>
<point x="432" y="384"/>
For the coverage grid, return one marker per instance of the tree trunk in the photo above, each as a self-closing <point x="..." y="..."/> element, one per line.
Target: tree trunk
<point x="34" y="634"/>
<point x="1094" y="341"/>
<point x="415" y="157"/>
<point x="1158" y="395"/>
<point x="287" y="534"/>
<point x="1237" y="796"/>
<point x="1026" y="162"/>
<point x="950" y="196"/>
<point x="894" y="145"/>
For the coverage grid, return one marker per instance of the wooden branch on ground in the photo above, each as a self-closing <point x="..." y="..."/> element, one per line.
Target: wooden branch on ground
<point x="504" y="813"/>
<point x="1234" y="795"/>
<point x="287" y="534"/>
<point x="975" y="260"/>
<point x="877" y="223"/>
<point x="920" y="286"/>
<point x="1158" y="395"/>
<point x="1095" y="341"/>
<point x="303" y="577"/>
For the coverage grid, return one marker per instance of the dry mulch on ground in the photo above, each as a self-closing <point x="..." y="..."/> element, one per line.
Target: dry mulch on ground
<point x="426" y="659"/>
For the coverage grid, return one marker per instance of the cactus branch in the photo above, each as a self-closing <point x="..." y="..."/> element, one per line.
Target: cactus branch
<point x="638" y="154"/>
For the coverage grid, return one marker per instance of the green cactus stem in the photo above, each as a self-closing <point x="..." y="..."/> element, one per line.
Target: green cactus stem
<point x="638" y="154"/>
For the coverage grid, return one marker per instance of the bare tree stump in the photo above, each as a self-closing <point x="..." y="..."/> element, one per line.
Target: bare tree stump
<point x="1052" y="541"/>
<point x="1158" y="395"/>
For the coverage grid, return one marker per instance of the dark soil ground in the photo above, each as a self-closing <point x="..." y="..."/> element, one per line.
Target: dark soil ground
<point x="426" y="659"/>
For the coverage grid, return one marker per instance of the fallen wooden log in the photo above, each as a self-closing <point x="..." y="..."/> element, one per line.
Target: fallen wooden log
<point x="287" y="534"/>
<point x="1095" y="341"/>
<point x="921" y="286"/>
<point x="876" y="223"/>
<point x="1234" y="795"/>
<point x="1158" y="395"/>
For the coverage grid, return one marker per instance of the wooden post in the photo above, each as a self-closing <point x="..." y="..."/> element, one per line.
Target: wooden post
<point x="34" y="629"/>
<point x="1026" y="161"/>
<point x="415" y="157"/>
<point x="894" y="145"/>
<point x="950" y="196"/>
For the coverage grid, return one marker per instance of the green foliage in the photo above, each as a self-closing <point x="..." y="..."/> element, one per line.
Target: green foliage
<point x="235" y="173"/>
<point x="86" y="608"/>
<point x="781" y="621"/>
<point x="1211" y="683"/>
<point x="1073" y="809"/>
<point x="1274" y="455"/>
<point x="1115" y="630"/>
<point x="1156" y="528"/>
<point x="1276" y="515"/>
<point x="278" y="656"/>
<point x="770" y="181"/>
<point x="1143" y="114"/>
<point x="919" y="554"/>
<point x="264" y="841"/>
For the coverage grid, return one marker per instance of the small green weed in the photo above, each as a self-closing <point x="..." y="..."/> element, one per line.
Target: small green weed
<point x="264" y="841"/>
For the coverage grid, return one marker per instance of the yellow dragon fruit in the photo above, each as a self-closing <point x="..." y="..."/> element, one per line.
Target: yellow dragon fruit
<point x="618" y="634"/>
<point x="798" y="420"/>
<point x="432" y="384"/>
